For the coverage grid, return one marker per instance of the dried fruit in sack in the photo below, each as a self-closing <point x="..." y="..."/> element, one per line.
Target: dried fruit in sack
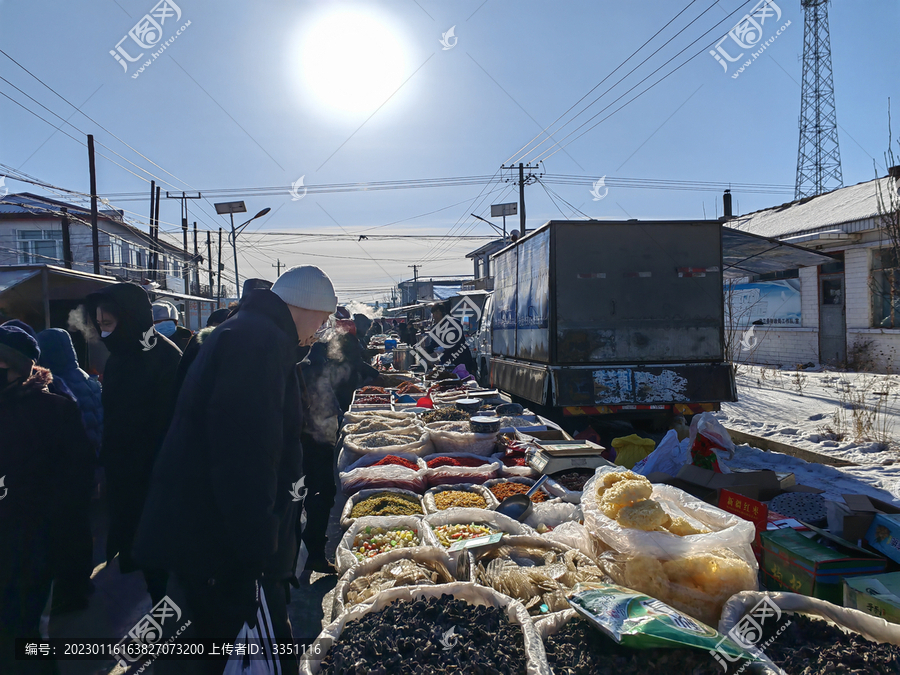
<point x="383" y="439"/>
<point x="371" y="390"/>
<point x="455" y="461"/>
<point x="810" y="645"/>
<point x="446" y="499"/>
<point x="370" y="541"/>
<point x="376" y="399"/>
<point x="386" y="504"/>
<point x="450" y="534"/>
<point x="573" y="480"/>
<point x="515" y="458"/>
<point x="540" y="578"/>
<point x="403" y="572"/>
<point x="429" y="637"/>
<point x="625" y="491"/>
<point x="445" y="414"/>
<point x="508" y="489"/>
<point x="396" y="461"/>
<point x="579" y="649"/>
<point x="645" y="515"/>
<point x="409" y="388"/>
<point x="683" y="528"/>
<point x="698" y="585"/>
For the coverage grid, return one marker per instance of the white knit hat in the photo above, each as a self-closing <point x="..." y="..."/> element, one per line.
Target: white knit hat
<point x="163" y="310"/>
<point x="306" y="287"/>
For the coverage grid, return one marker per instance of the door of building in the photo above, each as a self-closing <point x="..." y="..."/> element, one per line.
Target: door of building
<point x="832" y="319"/>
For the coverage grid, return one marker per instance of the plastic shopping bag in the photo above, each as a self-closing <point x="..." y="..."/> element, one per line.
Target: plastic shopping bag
<point x="262" y="636"/>
<point x="670" y="455"/>
<point x="710" y="442"/>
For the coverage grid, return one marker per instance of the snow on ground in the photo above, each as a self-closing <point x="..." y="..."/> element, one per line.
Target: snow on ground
<point x="796" y="407"/>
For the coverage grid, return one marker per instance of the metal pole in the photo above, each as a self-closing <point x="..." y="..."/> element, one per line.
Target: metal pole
<point x="196" y="263"/>
<point x="95" y="236"/>
<point x="219" y="290"/>
<point x="209" y="260"/>
<point x="67" y="242"/>
<point x="522" y="198"/>
<point x="237" y="279"/>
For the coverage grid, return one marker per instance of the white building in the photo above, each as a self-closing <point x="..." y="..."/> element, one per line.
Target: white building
<point x="848" y="310"/>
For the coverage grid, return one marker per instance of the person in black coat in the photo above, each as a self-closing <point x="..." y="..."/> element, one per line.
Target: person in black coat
<point x="193" y="347"/>
<point x="56" y="386"/>
<point x="138" y="400"/>
<point x="223" y="504"/>
<point x="46" y="473"/>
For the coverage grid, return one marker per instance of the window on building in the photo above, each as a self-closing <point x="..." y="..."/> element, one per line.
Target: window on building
<point x="116" y="256"/>
<point x="136" y="258"/>
<point x="885" y="285"/>
<point x="39" y="246"/>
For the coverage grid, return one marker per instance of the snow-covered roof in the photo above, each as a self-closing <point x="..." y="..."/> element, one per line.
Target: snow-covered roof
<point x="839" y="207"/>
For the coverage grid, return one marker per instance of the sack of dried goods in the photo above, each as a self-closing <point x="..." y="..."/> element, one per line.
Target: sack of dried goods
<point x="367" y="578"/>
<point x="514" y="485"/>
<point x="412" y="440"/>
<point x="375" y="471"/>
<point x="448" y="414"/>
<point x="460" y="524"/>
<point x="547" y="516"/>
<point x="353" y="417"/>
<point x="372" y="424"/>
<point x="460" y="467"/>
<point x="801" y="634"/>
<point x="455" y="436"/>
<point x="698" y="585"/>
<point x="390" y="502"/>
<point x="463" y="495"/>
<point x="432" y="630"/>
<point x="569" y="485"/>
<point x="633" y="516"/>
<point x="372" y="536"/>
<point x="534" y="571"/>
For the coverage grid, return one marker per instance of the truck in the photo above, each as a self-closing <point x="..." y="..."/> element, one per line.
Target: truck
<point x="623" y="318"/>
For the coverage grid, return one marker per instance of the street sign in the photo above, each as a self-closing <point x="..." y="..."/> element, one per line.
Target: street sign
<point x="230" y="207"/>
<point x="510" y="209"/>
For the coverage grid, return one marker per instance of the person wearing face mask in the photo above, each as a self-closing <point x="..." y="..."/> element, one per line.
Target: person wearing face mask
<point x="228" y="487"/>
<point x="138" y="400"/>
<point x="47" y="465"/>
<point x="165" y="321"/>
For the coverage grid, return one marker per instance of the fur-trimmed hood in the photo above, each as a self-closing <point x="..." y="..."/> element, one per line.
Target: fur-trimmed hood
<point x="38" y="382"/>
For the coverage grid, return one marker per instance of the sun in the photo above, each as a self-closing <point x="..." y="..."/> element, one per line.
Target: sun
<point x="350" y="61"/>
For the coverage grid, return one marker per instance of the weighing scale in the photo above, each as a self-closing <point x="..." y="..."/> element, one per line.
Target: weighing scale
<point x="551" y="457"/>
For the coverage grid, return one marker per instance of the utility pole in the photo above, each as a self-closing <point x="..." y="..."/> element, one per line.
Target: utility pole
<point x="278" y="266"/>
<point x="67" y="243"/>
<point x="209" y="260"/>
<point x="196" y="262"/>
<point x="156" y="235"/>
<point x="219" y="290"/>
<point x="184" y="229"/>
<point x="151" y="262"/>
<point x="522" y="182"/>
<point x="95" y="235"/>
<point x="415" y="269"/>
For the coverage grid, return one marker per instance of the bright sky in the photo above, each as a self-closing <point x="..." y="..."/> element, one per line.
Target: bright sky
<point x="253" y="95"/>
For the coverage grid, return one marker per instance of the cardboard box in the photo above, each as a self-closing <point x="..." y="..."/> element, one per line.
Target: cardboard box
<point x="797" y="564"/>
<point x="884" y="535"/>
<point x="748" y="509"/>
<point x="878" y="595"/>
<point x="759" y="485"/>
<point x="862" y="511"/>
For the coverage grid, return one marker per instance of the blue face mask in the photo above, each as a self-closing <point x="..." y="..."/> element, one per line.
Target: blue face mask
<point x="166" y="328"/>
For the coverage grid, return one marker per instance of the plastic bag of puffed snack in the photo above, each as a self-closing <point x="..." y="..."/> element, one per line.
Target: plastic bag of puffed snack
<point x="641" y="622"/>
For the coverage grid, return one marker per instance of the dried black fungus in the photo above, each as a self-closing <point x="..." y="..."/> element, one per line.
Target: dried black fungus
<point x="813" y="647"/>
<point x="579" y="649"/>
<point x="429" y="637"/>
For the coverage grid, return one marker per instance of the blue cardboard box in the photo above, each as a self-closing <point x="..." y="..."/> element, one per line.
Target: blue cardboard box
<point x="884" y="535"/>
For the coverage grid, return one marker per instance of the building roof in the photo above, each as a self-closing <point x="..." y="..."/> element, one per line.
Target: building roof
<point x="28" y="204"/>
<point x="830" y="210"/>
<point x="490" y="247"/>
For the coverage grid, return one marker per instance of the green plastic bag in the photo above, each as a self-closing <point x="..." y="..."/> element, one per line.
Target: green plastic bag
<point x="632" y="449"/>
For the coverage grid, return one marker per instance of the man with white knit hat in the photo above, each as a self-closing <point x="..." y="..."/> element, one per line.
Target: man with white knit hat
<point x="227" y="486"/>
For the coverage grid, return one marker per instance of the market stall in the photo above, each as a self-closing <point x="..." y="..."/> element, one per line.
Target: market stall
<point x="610" y="570"/>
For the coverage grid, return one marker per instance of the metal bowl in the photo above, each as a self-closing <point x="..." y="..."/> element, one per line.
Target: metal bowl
<point x="484" y="425"/>
<point x="469" y="405"/>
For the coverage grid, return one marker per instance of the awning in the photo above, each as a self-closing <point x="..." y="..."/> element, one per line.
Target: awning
<point x="406" y="309"/>
<point x="180" y="296"/>
<point x="475" y="293"/>
<point x="745" y="254"/>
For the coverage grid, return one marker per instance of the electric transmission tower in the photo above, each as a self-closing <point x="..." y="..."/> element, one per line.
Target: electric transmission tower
<point x="819" y="157"/>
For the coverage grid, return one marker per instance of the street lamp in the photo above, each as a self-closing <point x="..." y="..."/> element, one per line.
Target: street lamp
<point x="503" y="232"/>
<point x="231" y="208"/>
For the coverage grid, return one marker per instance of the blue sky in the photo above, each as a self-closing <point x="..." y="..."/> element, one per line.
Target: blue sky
<point x="260" y="94"/>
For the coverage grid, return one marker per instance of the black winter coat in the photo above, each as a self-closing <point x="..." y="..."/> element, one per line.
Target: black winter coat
<point x="221" y="502"/>
<point x="47" y="465"/>
<point x="138" y="399"/>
